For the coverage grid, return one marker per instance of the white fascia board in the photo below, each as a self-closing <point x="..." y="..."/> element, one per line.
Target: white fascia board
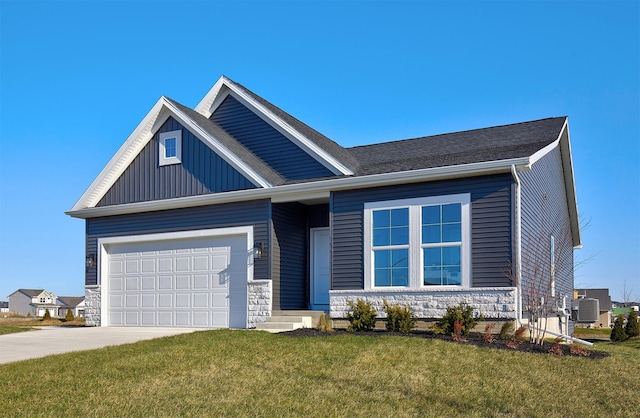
<point x="121" y="160"/>
<point x="302" y="191"/>
<point x="570" y="184"/>
<point x="216" y="95"/>
<point x="139" y="139"/>
<point x="215" y="145"/>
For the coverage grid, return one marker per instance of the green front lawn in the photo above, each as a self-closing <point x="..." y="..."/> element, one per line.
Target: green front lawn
<point x="250" y="373"/>
<point x="11" y="329"/>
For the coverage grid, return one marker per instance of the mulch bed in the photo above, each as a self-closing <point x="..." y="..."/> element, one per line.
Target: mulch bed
<point x="475" y="339"/>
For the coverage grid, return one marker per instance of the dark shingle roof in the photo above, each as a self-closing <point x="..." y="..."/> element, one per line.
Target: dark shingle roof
<point x="475" y="146"/>
<point x="30" y="292"/>
<point x="232" y="144"/>
<point x="333" y="148"/>
<point x="71" y="300"/>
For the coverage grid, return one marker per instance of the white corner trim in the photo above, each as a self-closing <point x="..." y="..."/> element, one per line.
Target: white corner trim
<point x="103" y="255"/>
<point x="225" y="86"/>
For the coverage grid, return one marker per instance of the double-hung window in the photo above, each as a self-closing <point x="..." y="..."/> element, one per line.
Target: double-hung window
<point x="418" y="243"/>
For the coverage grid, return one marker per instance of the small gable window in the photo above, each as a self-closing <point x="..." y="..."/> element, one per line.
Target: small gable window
<point x="170" y="148"/>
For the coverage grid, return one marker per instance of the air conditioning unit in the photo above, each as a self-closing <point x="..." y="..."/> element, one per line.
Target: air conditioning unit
<point x="588" y="310"/>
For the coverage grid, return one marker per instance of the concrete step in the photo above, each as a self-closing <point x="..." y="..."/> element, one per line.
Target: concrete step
<point x="315" y="315"/>
<point x="304" y="321"/>
<point x="289" y="326"/>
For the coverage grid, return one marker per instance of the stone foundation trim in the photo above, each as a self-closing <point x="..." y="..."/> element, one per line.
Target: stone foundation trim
<point x="260" y="301"/>
<point x="92" y="310"/>
<point x="491" y="302"/>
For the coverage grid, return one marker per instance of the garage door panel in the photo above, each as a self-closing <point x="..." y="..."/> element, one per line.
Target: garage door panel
<point x="165" y="282"/>
<point x="200" y="282"/>
<point x="165" y="300"/>
<point x="149" y="283"/>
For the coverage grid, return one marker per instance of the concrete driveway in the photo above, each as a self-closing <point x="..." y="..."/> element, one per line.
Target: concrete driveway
<point x="57" y="340"/>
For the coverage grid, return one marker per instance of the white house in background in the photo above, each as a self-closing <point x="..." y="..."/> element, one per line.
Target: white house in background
<point x="73" y="303"/>
<point x="4" y="306"/>
<point x="33" y="302"/>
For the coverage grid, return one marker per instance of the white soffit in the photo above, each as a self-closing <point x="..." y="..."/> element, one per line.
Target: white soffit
<point x="225" y="86"/>
<point x="139" y="138"/>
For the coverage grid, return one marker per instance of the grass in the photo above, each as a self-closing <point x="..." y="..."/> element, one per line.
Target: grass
<point x="240" y="373"/>
<point x="12" y="324"/>
<point x="592" y="331"/>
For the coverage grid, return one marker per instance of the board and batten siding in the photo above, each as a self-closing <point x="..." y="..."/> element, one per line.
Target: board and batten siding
<point x="254" y="213"/>
<point x="282" y="155"/>
<point x="289" y="256"/>
<point x="491" y="227"/>
<point x="201" y="171"/>
<point x="545" y="212"/>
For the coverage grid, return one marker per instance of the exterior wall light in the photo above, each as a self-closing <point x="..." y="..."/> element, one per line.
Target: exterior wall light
<point x="90" y="261"/>
<point x="258" y="250"/>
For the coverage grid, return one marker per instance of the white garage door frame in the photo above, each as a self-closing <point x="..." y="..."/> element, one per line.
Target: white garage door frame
<point x="103" y="256"/>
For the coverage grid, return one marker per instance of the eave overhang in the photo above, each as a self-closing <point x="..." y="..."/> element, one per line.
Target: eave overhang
<point x="311" y="190"/>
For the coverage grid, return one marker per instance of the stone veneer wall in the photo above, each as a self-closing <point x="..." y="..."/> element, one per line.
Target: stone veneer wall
<point x="491" y="302"/>
<point x="92" y="306"/>
<point x="260" y="301"/>
<point x="259" y="298"/>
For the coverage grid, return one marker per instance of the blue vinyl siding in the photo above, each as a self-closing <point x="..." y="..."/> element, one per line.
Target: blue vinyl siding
<point x="254" y="213"/>
<point x="289" y="256"/>
<point x="545" y="212"/>
<point x="201" y="171"/>
<point x="267" y="143"/>
<point x="491" y="227"/>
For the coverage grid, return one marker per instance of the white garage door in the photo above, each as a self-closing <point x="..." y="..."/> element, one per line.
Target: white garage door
<point x="197" y="282"/>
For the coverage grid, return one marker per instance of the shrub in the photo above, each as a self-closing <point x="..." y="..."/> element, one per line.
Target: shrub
<point x="506" y="331"/>
<point x="46" y="316"/>
<point x="617" y="332"/>
<point x="462" y="313"/>
<point x="325" y="324"/>
<point x="458" y="327"/>
<point x="556" y="349"/>
<point x="361" y="317"/>
<point x="519" y="334"/>
<point x="399" y="318"/>
<point x="69" y="316"/>
<point x="488" y="332"/>
<point x="578" y="350"/>
<point x="632" y="329"/>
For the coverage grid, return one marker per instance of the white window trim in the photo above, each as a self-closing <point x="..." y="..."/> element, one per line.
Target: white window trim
<point x="416" y="271"/>
<point x="162" y="159"/>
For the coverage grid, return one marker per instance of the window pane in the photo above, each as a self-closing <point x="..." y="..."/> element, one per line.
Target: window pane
<point x="400" y="277"/>
<point x="451" y="233"/>
<point x="432" y="276"/>
<point x="431" y="234"/>
<point x="399" y="258"/>
<point x="451" y="256"/>
<point x="383" y="277"/>
<point x="381" y="219"/>
<point x="381" y="237"/>
<point x="400" y="236"/>
<point x="432" y="257"/>
<point x="170" y="147"/>
<point x="400" y="217"/>
<point x="430" y="215"/>
<point x="451" y="275"/>
<point x="451" y="213"/>
<point x="382" y="259"/>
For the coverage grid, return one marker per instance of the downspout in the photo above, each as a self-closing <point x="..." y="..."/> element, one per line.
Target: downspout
<point x="518" y="265"/>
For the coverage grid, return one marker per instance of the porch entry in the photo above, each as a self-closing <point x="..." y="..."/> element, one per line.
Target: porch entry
<point x="320" y="268"/>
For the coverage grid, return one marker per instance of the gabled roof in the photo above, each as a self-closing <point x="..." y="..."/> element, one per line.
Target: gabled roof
<point x="28" y="292"/>
<point x="327" y="152"/>
<point x="71" y="301"/>
<point x="499" y="149"/>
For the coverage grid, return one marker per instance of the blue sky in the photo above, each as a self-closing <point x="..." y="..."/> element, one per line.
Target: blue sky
<point x="77" y="77"/>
